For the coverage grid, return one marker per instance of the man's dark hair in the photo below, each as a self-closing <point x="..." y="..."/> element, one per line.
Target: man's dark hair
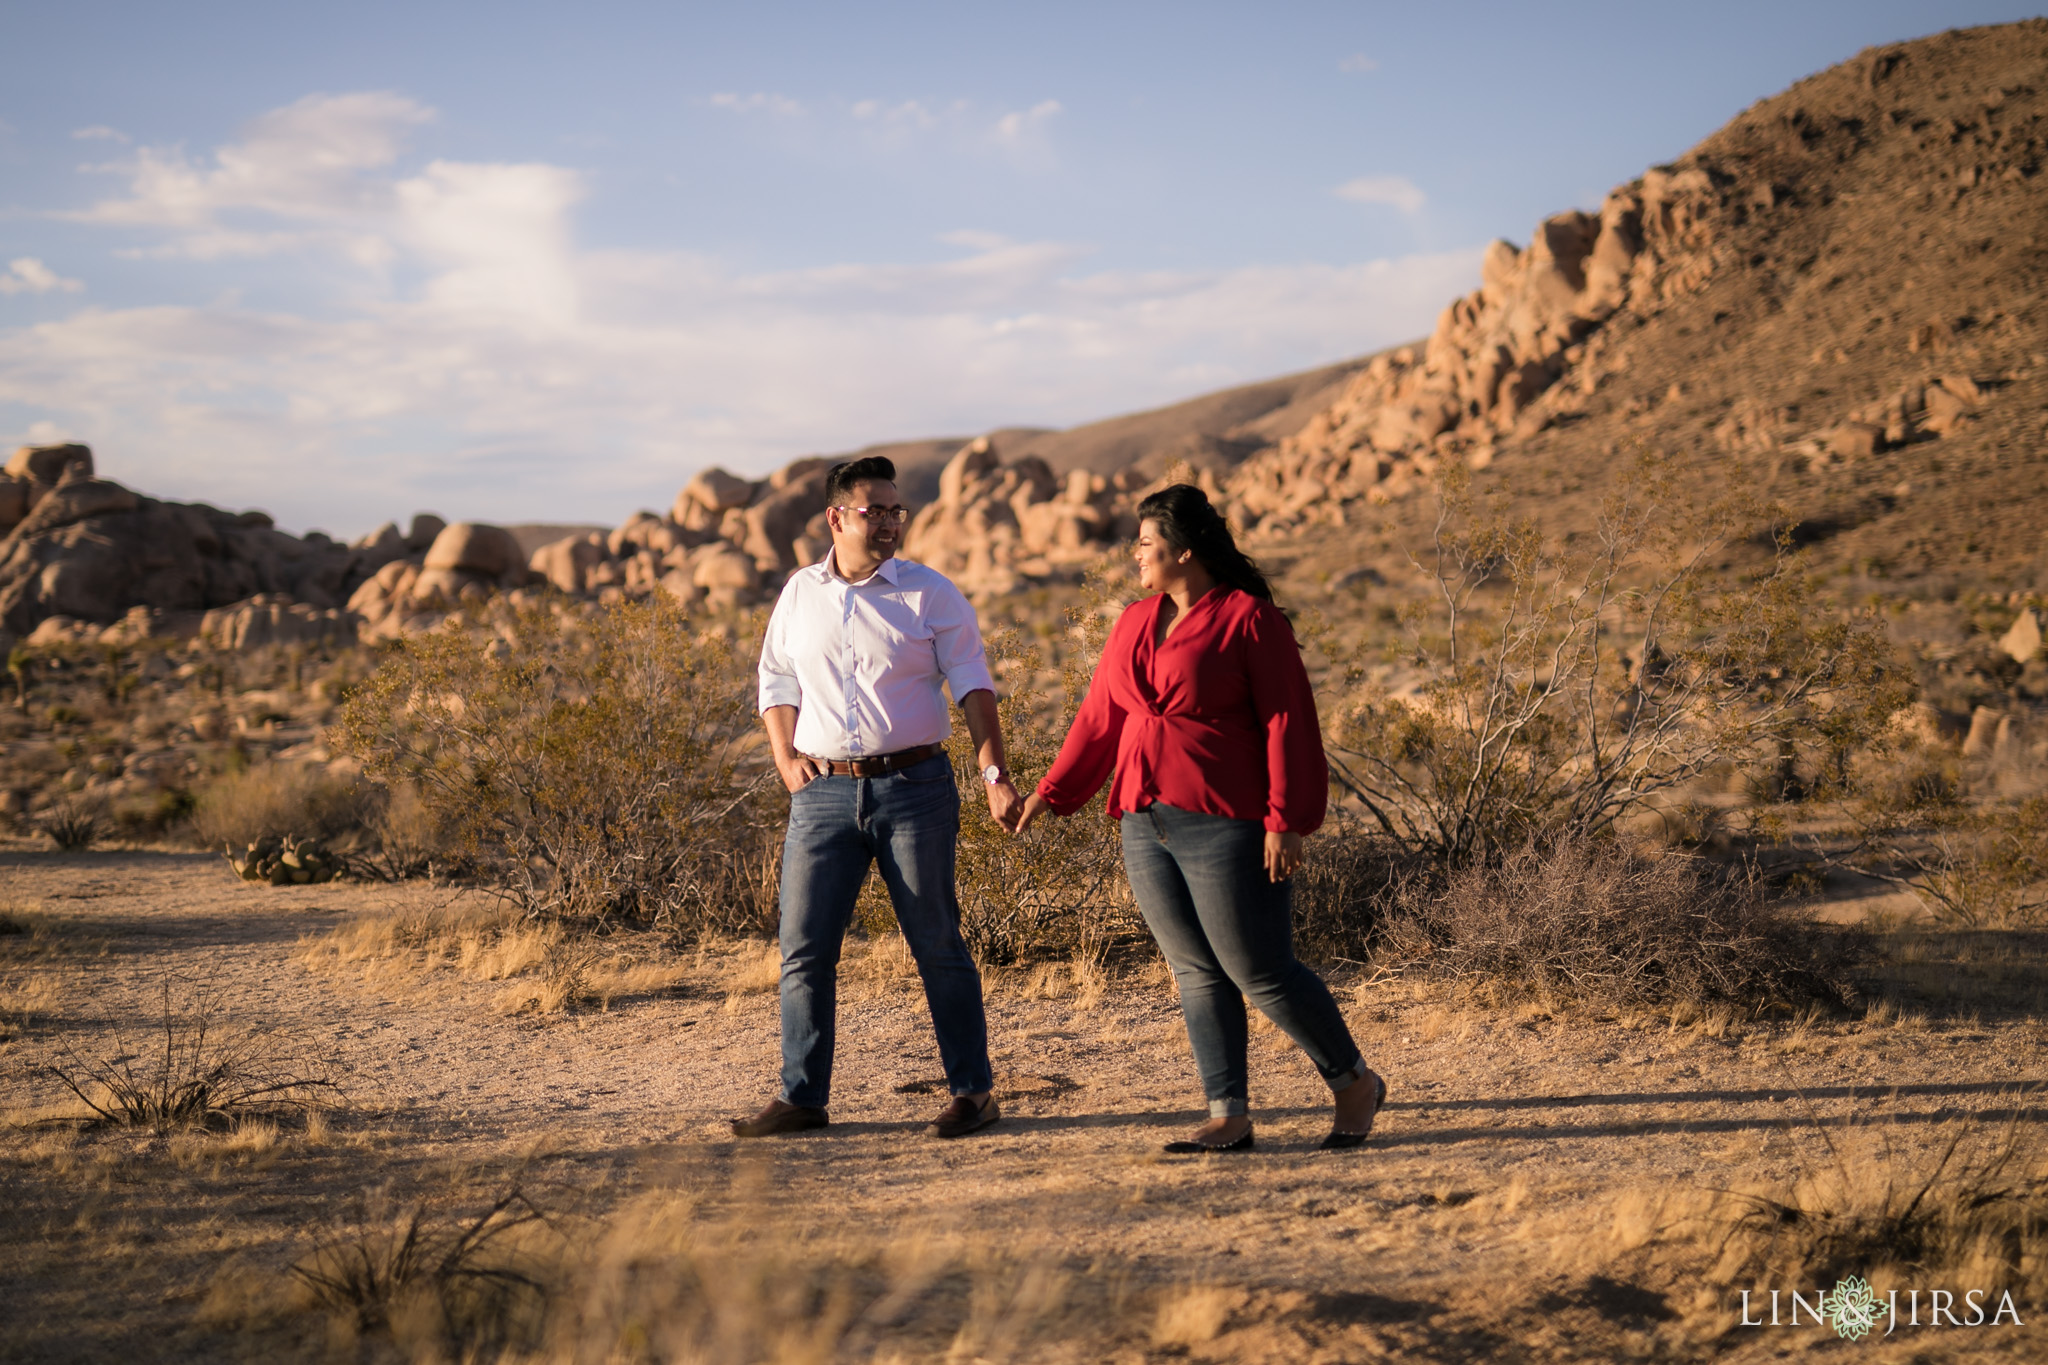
<point x="841" y="478"/>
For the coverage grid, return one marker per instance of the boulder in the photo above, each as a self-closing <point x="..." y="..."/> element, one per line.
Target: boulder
<point x="678" y="584"/>
<point x="798" y="469"/>
<point x="566" y="563"/>
<point x="774" y="523"/>
<point x="272" y="619"/>
<point x="49" y="464"/>
<point x="1984" y="722"/>
<point x="721" y="566"/>
<point x="2023" y="640"/>
<point x="473" y="548"/>
<point x="13" y="501"/>
<point x="709" y="495"/>
<point x="645" y="531"/>
<point x="426" y="529"/>
<point x="1945" y="409"/>
<point x="77" y="500"/>
<point x="1854" y="440"/>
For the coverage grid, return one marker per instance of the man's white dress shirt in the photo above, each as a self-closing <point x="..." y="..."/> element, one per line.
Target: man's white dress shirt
<point x="862" y="662"/>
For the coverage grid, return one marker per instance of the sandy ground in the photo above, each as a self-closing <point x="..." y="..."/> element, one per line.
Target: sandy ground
<point x="1512" y="1144"/>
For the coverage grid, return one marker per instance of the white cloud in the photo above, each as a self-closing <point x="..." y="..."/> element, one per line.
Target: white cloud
<point x="1013" y="126"/>
<point x="1358" y="64"/>
<point x="1396" y="190"/>
<point x="488" y="365"/>
<point x="307" y="161"/>
<point x="27" y="275"/>
<point x="758" y="102"/>
<point x="99" y="132"/>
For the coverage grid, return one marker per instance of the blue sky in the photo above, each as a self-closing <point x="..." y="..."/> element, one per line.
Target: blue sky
<point x="526" y="262"/>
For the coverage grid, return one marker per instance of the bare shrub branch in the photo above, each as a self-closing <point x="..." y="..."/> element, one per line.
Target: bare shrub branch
<point x="1555" y="689"/>
<point x="1596" y="922"/>
<point x="188" y="1075"/>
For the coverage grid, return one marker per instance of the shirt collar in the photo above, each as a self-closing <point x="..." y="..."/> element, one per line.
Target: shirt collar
<point x="827" y="569"/>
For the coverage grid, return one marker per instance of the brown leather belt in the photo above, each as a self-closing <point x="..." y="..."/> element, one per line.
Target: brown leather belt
<point x="880" y="763"/>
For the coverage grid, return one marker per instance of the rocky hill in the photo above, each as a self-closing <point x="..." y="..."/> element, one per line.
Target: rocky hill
<point x="1836" y="298"/>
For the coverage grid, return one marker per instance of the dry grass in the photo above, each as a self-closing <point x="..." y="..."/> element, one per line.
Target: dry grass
<point x="276" y="799"/>
<point x="26" y="997"/>
<point x="1968" y="1206"/>
<point x="1194" y="1316"/>
<point x="549" y="968"/>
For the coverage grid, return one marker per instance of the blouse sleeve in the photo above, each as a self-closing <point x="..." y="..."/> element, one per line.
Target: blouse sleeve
<point x="1297" y="775"/>
<point x="1088" y="755"/>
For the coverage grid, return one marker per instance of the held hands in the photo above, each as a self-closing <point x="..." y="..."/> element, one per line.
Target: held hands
<point x="1005" y="805"/>
<point x="1034" y="806"/>
<point x="1283" y="854"/>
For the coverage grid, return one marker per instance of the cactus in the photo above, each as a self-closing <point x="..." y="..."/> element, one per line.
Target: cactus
<point x="285" y="860"/>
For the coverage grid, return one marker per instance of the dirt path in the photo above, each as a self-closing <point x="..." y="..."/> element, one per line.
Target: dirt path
<point x="1509" y="1140"/>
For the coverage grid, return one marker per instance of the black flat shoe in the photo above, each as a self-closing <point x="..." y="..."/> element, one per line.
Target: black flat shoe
<point x="1343" y="1142"/>
<point x="1242" y="1143"/>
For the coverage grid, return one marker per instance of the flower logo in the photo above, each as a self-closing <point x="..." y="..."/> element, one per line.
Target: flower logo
<point x="1852" y="1307"/>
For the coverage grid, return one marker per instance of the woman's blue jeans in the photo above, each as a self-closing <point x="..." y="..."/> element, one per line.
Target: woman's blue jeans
<point x="1227" y="931"/>
<point x="909" y="823"/>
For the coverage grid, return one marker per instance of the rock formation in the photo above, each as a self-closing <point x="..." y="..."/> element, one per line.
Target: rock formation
<point x="1836" y="295"/>
<point x="1836" y="298"/>
<point x="995" y="523"/>
<point x="89" y="549"/>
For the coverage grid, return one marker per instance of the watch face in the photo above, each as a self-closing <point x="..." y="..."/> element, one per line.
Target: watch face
<point x="991" y="774"/>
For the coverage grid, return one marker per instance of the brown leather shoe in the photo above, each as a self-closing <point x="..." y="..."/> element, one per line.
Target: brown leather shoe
<point x="780" y="1117"/>
<point x="963" y="1116"/>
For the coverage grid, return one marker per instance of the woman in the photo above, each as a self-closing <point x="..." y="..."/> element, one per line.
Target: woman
<point x="1203" y="710"/>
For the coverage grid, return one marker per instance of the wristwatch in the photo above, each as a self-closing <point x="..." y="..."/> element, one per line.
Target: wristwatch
<point x="993" y="774"/>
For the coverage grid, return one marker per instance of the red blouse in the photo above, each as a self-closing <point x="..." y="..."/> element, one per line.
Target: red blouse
<point x="1219" y="719"/>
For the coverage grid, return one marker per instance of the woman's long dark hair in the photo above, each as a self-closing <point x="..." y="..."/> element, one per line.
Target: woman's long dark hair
<point x="1187" y="521"/>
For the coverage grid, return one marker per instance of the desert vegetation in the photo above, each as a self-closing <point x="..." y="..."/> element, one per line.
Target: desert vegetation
<point x="386" y="929"/>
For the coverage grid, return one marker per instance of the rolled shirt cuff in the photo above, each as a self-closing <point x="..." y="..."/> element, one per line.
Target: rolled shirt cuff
<point x="781" y="692"/>
<point x="969" y="678"/>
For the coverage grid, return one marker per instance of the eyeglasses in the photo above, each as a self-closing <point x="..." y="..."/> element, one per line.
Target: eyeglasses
<point x="892" y="516"/>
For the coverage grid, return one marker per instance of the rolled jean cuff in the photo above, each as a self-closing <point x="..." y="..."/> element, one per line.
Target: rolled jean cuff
<point x="1228" y="1109"/>
<point x="1349" y="1076"/>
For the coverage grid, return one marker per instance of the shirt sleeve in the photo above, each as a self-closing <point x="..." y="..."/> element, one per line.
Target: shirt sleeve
<point x="956" y="639"/>
<point x="1088" y="754"/>
<point x="777" y="671"/>
<point x="1297" y="774"/>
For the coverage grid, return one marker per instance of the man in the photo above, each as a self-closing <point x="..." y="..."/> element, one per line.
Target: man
<point x="850" y="674"/>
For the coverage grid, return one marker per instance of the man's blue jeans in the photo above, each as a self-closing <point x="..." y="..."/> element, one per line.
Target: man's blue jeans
<point x="909" y="823"/>
<point x="1228" y="932"/>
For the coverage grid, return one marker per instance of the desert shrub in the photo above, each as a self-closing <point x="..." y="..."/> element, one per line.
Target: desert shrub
<point x="589" y="767"/>
<point x="407" y="836"/>
<point x="1351" y="874"/>
<point x="193" y="1071"/>
<point x="152" y="813"/>
<point x="448" y="1289"/>
<point x="1060" y="890"/>
<point x="237" y="808"/>
<point x="1919" y="820"/>
<point x="76" y="820"/>
<point x="1559" y="686"/>
<point x="1599" y="922"/>
<point x="1971" y="1212"/>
